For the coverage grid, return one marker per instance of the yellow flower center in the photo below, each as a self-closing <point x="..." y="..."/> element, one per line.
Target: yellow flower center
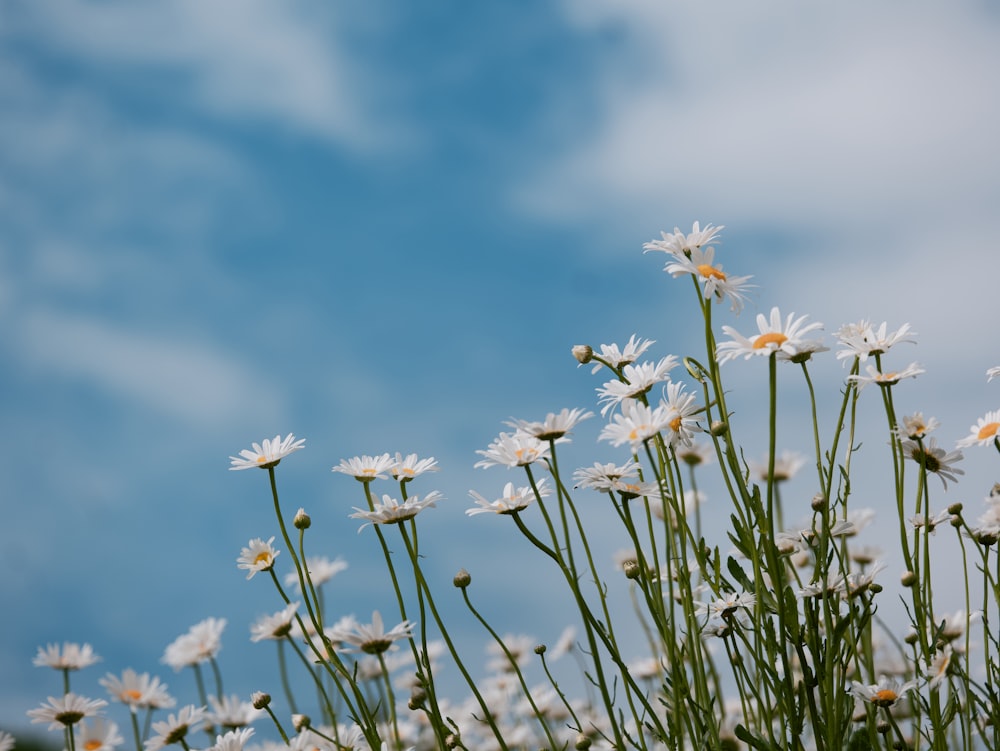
<point x="261" y="459"/>
<point x="885" y="698"/>
<point x="775" y="337"/>
<point x="710" y="272"/>
<point x="988" y="431"/>
<point x="93" y="744"/>
<point x="634" y="434"/>
<point x="675" y="424"/>
<point x="130" y="695"/>
<point x="887" y="377"/>
<point x="263" y="557"/>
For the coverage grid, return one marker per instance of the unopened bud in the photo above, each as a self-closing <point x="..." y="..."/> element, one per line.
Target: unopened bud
<point x="540" y="649"/>
<point x="583" y="353"/>
<point x="302" y="520"/>
<point x="911" y="638"/>
<point x="874" y="588"/>
<point x="955" y="509"/>
<point x="818" y="502"/>
<point x="417" y="699"/>
<point x="908" y="579"/>
<point x="582" y="743"/>
<point x="632" y="570"/>
<point x="462" y="579"/>
<point x="300" y="722"/>
<point x="452" y="741"/>
<point x="718" y="428"/>
<point x="259" y="699"/>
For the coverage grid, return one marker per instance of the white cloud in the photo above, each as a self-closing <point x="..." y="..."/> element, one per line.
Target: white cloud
<point x="275" y="61"/>
<point x="190" y="381"/>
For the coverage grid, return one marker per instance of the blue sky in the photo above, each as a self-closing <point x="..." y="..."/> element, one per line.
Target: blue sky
<point x="383" y="226"/>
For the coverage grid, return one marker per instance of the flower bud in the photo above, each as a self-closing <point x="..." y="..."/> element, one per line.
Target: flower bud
<point x="583" y="353"/>
<point x="818" y="502"/>
<point x="300" y="722"/>
<point x="540" y="649"/>
<point x="302" y="520"/>
<point x="908" y="579"/>
<point x="417" y="699"/>
<point x="718" y="428"/>
<point x="955" y="509"/>
<point x="582" y="742"/>
<point x="632" y="570"/>
<point x="462" y="579"/>
<point x="259" y="699"/>
<point x="874" y="588"/>
<point x="911" y="638"/>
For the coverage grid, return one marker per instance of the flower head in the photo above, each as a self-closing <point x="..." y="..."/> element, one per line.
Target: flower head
<point x="680" y="245"/>
<point x="887" y="378"/>
<point x="69" y="656"/>
<point x="606" y="478"/>
<point x="366" y="468"/>
<point x="234" y="740"/>
<point x="68" y="709"/>
<point x="175" y="727"/>
<point x="728" y="605"/>
<point x="915" y="426"/>
<point x="512" y="499"/>
<point x="984" y="432"/>
<point x="636" y="380"/>
<point x="785" y="339"/>
<point x="862" y="340"/>
<point x="700" y="264"/>
<point x="231" y="712"/>
<point x="137" y="690"/>
<point x="613" y="357"/>
<point x="372" y="638"/>
<point x="268" y="453"/>
<point x="276" y="626"/>
<point x="934" y="459"/>
<point x="554" y="426"/>
<point x="406" y="469"/>
<point x="992" y="373"/>
<point x="321" y="570"/>
<point x="6" y="741"/>
<point x="202" y="642"/>
<point x="681" y="409"/>
<point x="99" y="734"/>
<point x="513" y="450"/>
<point x="636" y="424"/>
<point x="259" y="556"/>
<point x="786" y="466"/>
<point x="885" y="693"/>
<point x="392" y="511"/>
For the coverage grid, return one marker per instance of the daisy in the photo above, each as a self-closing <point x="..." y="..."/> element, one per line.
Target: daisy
<point x="680" y="245"/>
<point x="992" y="373"/>
<point x="888" y="378"/>
<point x="391" y="511"/>
<point x="615" y="358"/>
<point x="231" y="712"/>
<point x="406" y="469"/>
<point x="699" y="264"/>
<point x="934" y="459"/>
<point x="786" y="466"/>
<point x="276" y="626"/>
<point x="727" y="605"/>
<point x="636" y="424"/>
<point x="267" y="454"/>
<point x="68" y="709"/>
<point x="202" y="642"/>
<point x="366" y="468"/>
<point x="372" y="638"/>
<point x="553" y="426"/>
<point x="175" y="727"/>
<point x="70" y="656"/>
<point x="605" y="478"/>
<point x="636" y="380"/>
<point x="512" y="450"/>
<point x="783" y="339"/>
<point x="681" y="409"/>
<point x="6" y="741"/>
<point x="984" y="432"/>
<point x="862" y="340"/>
<point x="234" y="740"/>
<point x="885" y="693"/>
<point x="915" y="426"/>
<point x="696" y="454"/>
<point x="512" y="500"/>
<point x="938" y="669"/>
<point x="137" y="690"/>
<point x="99" y="735"/>
<point x="259" y="556"/>
<point x="920" y="521"/>
<point x="321" y="570"/>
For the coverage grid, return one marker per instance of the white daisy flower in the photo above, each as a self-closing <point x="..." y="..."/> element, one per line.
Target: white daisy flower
<point x="267" y="454"/>
<point x="234" y="740"/>
<point x="915" y="426"/>
<point x="98" y="734"/>
<point x="512" y="499"/>
<point x="862" y="340"/>
<point x="512" y="450"/>
<point x="727" y="605"/>
<point x="138" y="690"/>
<point x="680" y="245"/>
<point x="259" y="556"/>
<point x="934" y="459"/>
<point x="366" y="468"/>
<point x="636" y="424"/>
<point x="984" y="432"/>
<point x="406" y="469"/>
<point x="785" y="338"/>
<point x="786" y="466"/>
<point x="70" y="656"/>
<point x="888" y="378"/>
<point x="885" y="693"/>
<point x="321" y="570"/>
<point x="372" y="638"/>
<point x="231" y="712"/>
<point x="699" y="264"/>
<point x="554" y="425"/>
<point x="696" y="454"/>
<point x="681" y="410"/>
<point x="275" y="626"/>
<point x="615" y="358"/>
<point x="175" y="727"/>
<point x="392" y="511"/>
<point x="919" y="521"/>
<point x="606" y="478"/>
<point x="992" y="373"/>
<point x="636" y="380"/>
<point x="202" y="642"/>
<point x="66" y="710"/>
<point x="7" y="742"/>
